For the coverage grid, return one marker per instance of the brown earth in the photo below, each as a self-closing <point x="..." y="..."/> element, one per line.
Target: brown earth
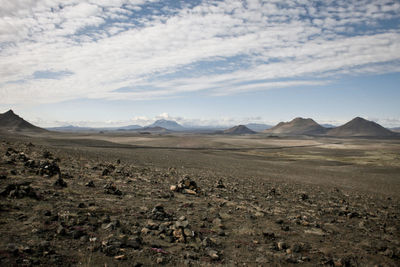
<point x="131" y="200"/>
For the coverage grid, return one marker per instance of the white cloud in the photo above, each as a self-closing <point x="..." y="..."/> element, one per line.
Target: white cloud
<point x="110" y="44"/>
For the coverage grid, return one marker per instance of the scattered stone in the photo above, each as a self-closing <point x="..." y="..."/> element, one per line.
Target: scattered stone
<point x="108" y="170"/>
<point x="31" y="164"/>
<point x="67" y="176"/>
<point x="220" y="184"/>
<point x="189" y="192"/>
<point x="60" y="182"/>
<point x="111" y="188"/>
<point x="22" y="157"/>
<point x="133" y="242"/>
<point x="47" y="155"/>
<point x="186" y="186"/>
<point x="303" y="196"/>
<point x="158" y="213"/>
<point x="76" y="234"/>
<point x="152" y="225"/>
<point x="214" y="254"/>
<point x="120" y="257"/>
<point x="90" y="184"/>
<point x="281" y="245"/>
<point x="20" y="190"/>
<point x="49" y="168"/>
<point x="268" y="234"/>
<point x="145" y="231"/>
<point x="173" y="188"/>
<point x="47" y="213"/>
<point x="296" y="248"/>
<point x="111" y="225"/>
<point x="61" y="231"/>
<point x="285" y="228"/>
<point x="105" y="172"/>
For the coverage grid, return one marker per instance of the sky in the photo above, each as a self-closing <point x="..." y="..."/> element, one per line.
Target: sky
<point x="199" y="62"/>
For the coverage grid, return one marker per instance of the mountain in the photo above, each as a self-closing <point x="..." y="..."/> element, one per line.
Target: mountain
<point x="155" y="129"/>
<point x="129" y="127"/>
<point x="360" y="127"/>
<point x="395" y="129"/>
<point x="11" y="122"/>
<point x="240" y="129"/>
<point x="297" y="126"/>
<point x="71" y="128"/>
<point x="327" y="125"/>
<point x="258" y="127"/>
<point x="167" y="124"/>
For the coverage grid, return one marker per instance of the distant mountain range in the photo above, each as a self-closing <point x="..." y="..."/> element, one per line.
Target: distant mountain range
<point x="154" y="129"/>
<point x="327" y="125"/>
<point x="168" y="124"/>
<point x="71" y="128"/>
<point x="258" y="127"/>
<point x="10" y="122"/>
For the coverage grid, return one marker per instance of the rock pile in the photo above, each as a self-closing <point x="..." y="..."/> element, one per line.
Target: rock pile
<point x="111" y="188"/>
<point x="108" y="170"/>
<point x="49" y="168"/>
<point x="158" y="213"/>
<point x="186" y="186"/>
<point x="20" y="190"/>
<point x="182" y="231"/>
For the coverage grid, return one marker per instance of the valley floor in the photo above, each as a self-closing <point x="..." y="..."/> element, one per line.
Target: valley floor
<point x="95" y="199"/>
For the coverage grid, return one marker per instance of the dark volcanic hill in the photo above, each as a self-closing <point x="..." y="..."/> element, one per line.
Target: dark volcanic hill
<point x="10" y="122"/>
<point x="297" y="126"/>
<point x="167" y="124"/>
<point x="239" y="129"/>
<point x="360" y="127"/>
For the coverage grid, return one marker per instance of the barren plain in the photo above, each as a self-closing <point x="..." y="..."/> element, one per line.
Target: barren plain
<point x="128" y="199"/>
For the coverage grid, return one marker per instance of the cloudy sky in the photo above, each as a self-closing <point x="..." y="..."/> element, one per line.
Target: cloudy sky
<point x="114" y="62"/>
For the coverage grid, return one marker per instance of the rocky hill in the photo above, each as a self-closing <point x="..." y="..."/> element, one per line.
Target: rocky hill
<point x="360" y="127"/>
<point x="239" y="129"/>
<point x="297" y="126"/>
<point x="10" y="122"/>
